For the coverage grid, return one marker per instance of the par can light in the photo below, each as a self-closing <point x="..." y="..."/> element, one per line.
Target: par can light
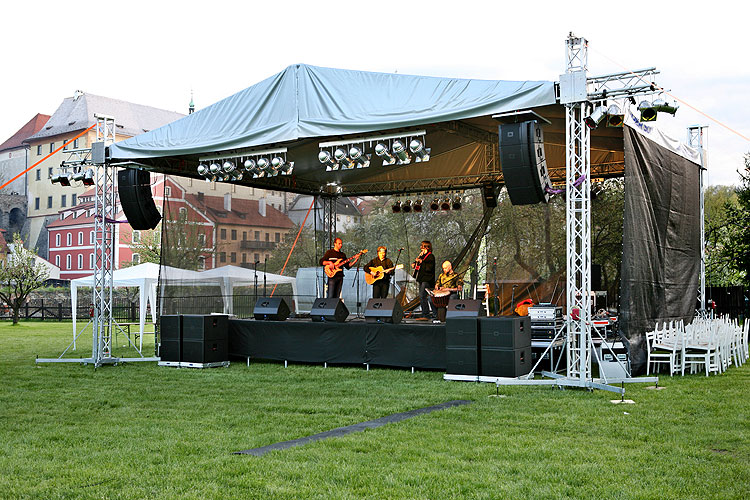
<point x="381" y="150"/>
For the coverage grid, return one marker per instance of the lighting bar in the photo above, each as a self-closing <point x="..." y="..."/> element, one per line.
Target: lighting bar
<point x="225" y="156"/>
<point x="360" y="140"/>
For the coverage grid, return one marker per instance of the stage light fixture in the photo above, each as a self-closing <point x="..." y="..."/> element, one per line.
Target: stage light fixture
<point x="406" y="207"/>
<point x="399" y="150"/>
<point x="324" y="157"/>
<point x="594" y="119"/>
<point x="63" y="179"/>
<point x="417" y="206"/>
<point x="445" y="204"/>
<point x="662" y="106"/>
<point x="614" y="116"/>
<point x="203" y="170"/>
<point x="88" y="177"/>
<point x="359" y="157"/>
<point x="228" y="166"/>
<point x="648" y="113"/>
<point x="382" y="151"/>
<point x="78" y="176"/>
<point x="456" y="205"/>
<point x="215" y="169"/>
<point x="396" y="208"/>
<point x="420" y="152"/>
<point x="339" y="154"/>
<point x="282" y="166"/>
<point x="265" y="166"/>
<point x="235" y="175"/>
<point x="435" y="204"/>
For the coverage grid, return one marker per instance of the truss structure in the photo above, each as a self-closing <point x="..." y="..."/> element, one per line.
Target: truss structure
<point x="696" y="139"/>
<point x="104" y="245"/>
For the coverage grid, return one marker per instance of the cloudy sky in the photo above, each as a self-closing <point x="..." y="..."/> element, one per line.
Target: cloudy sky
<point x="156" y="52"/>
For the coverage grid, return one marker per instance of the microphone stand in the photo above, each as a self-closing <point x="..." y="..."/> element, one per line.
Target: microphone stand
<point x="265" y="263"/>
<point x="512" y="298"/>
<point x="256" y="280"/>
<point x="393" y="285"/>
<point x="356" y="281"/>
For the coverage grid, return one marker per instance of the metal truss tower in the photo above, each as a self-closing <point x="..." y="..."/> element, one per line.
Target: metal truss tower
<point x="696" y="139"/>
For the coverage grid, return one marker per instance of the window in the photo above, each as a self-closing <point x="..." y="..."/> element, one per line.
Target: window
<point x="39" y="152"/>
<point x="234" y="257"/>
<point x="65" y="146"/>
<point x="234" y="234"/>
<point x="136" y="237"/>
<point x="91" y="238"/>
<point x="80" y="237"/>
<point x="39" y="174"/>
<point x="75" y="145"/>
<point x="49" y="202"/>
<point x="183" y="213"/>
<point x="68" y="260"/>
<point x="64" y="200"/>
<point x="57" y="240"/>
<point x="202" y="240"/>
<point x="202" y="263"/>
<point x="244" y="257"/>
<point x="222" y="257"/>
<point x="69" y="239"/>
<point x="49" y="172"/>
<point x="278" y="237"/>
<point x="223" y="234"/>
<point x="244" y="235"/>
<point x="257" y="237"/>
<point x="136" y="258"/>
<point x="73" y="200"/>
<point x="91" y="260"/>
<point x="268" y="236"/>
<point x="257" y="257"/>
<point x="57" y="260"/>
<point x="51" y="146"/>
<point x="36" y="203"/>
<point x="167" y="190"/>
<point x="80" y="261"/>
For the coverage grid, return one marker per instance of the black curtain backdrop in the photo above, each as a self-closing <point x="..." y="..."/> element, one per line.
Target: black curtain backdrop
<point x="661" y="241"/>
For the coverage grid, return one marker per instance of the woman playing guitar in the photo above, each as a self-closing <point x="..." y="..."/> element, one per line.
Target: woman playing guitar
<point x="379" y="271"/>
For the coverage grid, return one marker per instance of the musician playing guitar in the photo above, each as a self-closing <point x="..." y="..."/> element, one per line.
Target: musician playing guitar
<point x="334" y="261"/>
<point x="424" y="272"/>
<point x="377" y="266"/>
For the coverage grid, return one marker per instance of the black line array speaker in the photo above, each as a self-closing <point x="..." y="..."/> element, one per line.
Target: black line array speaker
<point x="505" y="332"/>
<point x="523" y="162"/>
<point x="170" y="331"/>
<point x="596" y="277"/>
<point x="271" y="308"/>
<point x="462" y="346"/>
<point x="329" y="310"/>
<point x="464" y="308"/>
<point x="383" y="311"/>
<point x="134" y="188"/>
<point x="205" y="338"/>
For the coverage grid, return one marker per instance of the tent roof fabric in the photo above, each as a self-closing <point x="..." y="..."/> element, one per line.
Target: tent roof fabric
<point x="309" y="101"/>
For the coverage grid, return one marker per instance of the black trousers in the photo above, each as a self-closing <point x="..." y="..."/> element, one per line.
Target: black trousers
<point x="334" y="287"/>
<point x="380" y="289"/>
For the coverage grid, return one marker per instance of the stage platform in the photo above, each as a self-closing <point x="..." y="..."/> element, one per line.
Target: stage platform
<point x="410" y="344"/>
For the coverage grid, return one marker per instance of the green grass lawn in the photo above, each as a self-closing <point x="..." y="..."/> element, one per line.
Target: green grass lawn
<point x="143" y="431"/>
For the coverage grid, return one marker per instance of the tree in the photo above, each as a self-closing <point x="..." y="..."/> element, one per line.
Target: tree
<point x="20" y="275"/>
<point x="718" y="202"/>
<point x="182" y="245"/>
<point x="737" y="251"/>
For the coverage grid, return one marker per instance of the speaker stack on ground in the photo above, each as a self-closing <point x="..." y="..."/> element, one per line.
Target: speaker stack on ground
<point x="523" y="162"/>
<point x="329" y="310"/>
<point x="271" y="309"/>
<point x="488" y="346"/>
<point x="384" y="311"/>
<point x="134" y="189"/>
<point x="194" y="341"/>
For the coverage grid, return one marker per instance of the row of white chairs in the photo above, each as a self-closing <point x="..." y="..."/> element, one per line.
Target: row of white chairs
<point x="713" y="344"/>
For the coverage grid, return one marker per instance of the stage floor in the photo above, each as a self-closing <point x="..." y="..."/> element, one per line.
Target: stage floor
<point x="410" y="344"/>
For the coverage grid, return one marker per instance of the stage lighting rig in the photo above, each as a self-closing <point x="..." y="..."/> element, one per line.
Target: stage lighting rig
<point x="435" y="205"/>
<point x="594" y="119"/>
<point x="399" y="150"/>
<point x="395" y="149"/>
<point x="345" y="163"/>
<point x="406" y="207"/>
<point x="615" y="117"/>
<point x="662" y="106"/>
<point x="456" y="204"/>
<point x="324" y="157"/>
<point x="237" y="165"/>
<point x="281" y="165"/>
<point x="381" y="150"/>
<point x="358" y="156"/>
<point x="417" y="205"/>
<point x="445" y="204"/>
<point x="648" y="113"/>
<point x="420" y="152"/>
<point x="396" y="208"/>
<point x="62" y="178"/>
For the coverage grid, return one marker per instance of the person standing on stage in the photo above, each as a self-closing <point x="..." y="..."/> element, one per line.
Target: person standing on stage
<point x="448" y="279"/>
<point x="331" y="257"/>
<point x="424" y="272"/>
<point x="380" y="286"/>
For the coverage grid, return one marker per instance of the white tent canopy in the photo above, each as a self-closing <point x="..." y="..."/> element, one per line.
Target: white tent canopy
<point x="145" y="276"/>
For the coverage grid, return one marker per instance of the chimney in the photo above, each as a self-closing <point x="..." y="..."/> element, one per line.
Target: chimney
<point x="228" y="202"/>
<point x="262" y="206"/>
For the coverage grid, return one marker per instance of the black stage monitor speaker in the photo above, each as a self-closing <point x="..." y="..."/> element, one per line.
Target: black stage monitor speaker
<point x="464" y="308"/>
<point x="384" y="311"/>
<point x="271" y="308"/>
<point x="523" y="162"/>
<point x="204" y="327"/>
<point x="329" y="310"/>
<point x="134" y="188"/>
<point x="505" y="332"/>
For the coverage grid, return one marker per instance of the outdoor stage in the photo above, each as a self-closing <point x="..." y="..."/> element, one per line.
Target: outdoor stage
<point x="409" y="344"/>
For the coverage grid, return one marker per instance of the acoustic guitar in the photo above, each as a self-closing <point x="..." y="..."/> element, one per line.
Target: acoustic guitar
<point x="379" y="273"/>
<point x="335" y="267"/>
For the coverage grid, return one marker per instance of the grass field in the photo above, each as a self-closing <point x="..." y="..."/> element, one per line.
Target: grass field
<point x="143" y="431"/>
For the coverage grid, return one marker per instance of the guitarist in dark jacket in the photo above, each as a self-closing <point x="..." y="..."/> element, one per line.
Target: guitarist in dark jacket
<point x="424" y="272"/>
<point x="380" y="286"/>
<point x="331" y="257"/>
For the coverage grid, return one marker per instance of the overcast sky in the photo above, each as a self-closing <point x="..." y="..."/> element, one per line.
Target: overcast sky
<point x="155" y="52"/>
